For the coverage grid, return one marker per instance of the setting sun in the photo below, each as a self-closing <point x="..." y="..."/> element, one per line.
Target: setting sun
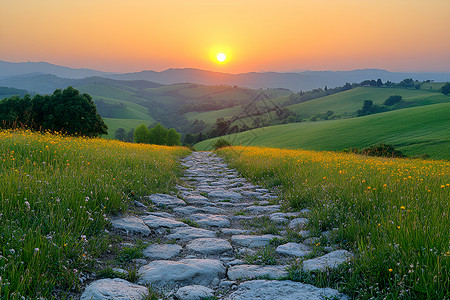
<point x="221" y="57"/>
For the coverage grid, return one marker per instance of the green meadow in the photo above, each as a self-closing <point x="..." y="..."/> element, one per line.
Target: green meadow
<point x="350" y="101"/>
<point x="393" y="214"/>
<point x="415" y="131"/>
<point x="56" y="195"/>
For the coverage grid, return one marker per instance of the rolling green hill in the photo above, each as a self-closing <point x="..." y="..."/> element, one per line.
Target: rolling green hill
<point x="415" y="131"/>
<point x="128" y="104"/>
<point x="343" y="104"/>
<point x="350" y="101"/>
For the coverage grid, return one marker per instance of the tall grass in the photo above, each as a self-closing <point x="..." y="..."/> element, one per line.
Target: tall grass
<point x="56" y="194"/>
<point x="394" y="214"/>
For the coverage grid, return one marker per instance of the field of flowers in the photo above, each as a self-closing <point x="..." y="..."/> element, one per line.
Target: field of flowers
<point x="55" y="195"/>
<point x="394" y="214"/>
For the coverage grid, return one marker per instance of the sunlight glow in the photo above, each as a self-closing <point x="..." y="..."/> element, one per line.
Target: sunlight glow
<point x="221" y="57"/>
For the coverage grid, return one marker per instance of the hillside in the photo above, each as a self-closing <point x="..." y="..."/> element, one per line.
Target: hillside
<point x="350" y="101"/>
<point x="126" y="104"/>
<point x="415" y="131"/>
<point x="343" y="104"/>
<point x="6" y="92"/>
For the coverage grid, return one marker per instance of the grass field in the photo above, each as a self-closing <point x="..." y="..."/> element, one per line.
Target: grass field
<point x="210" y="117"/>
<point x="343" y="104"/>
<point x="393" y="214"/>
<point x="56" y="194"/>
<point x="352" y="100"/>
<point x="415" y="131"/>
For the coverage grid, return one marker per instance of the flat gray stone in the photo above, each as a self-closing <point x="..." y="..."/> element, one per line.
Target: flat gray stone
<point x="331" y="260"/>
<point x="106" y="289"/>
<point x="196" y="199"/>
<point x="231" y="204"/>
<point x="262" y="209"/>
<point x="241" y="217"/>
<point x="285" y="289"/>
<point x="169" y="273"/>
<point x="253" y="240"/>
<point x="210" y="220"/>
<point x="295" y="249"/>
<point x="236" y="262"/>
<point x="209" y="246"/>
<point x="266" y="197"/>
<point x="254" y="271"/>
<point x="226" y="284"/>
<point x="233" y="231"/>
<point x="224" y="194"/>
<point x="161" y="214"/>
<point x="298" y="223"/>
<point x="193" y="292"/>
<point x="235" y="184"/>
<point x="162" y="251"/>
<point x="251" y="194"/>
<point x="219" y="183"/>
<point x="158" y="222"/>
<point x="280" y="217"/>
<point x="185" y="234"/>
<point x="131" y="225"/>
<point x="164" y="200"/>
<point x="189" y="210"/>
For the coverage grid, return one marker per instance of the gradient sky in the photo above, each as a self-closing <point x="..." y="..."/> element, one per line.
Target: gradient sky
<point x="256" y="35"/>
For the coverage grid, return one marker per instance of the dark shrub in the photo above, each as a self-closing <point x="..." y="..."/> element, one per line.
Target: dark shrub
<point x="221" y="143"/>
<point x="382" y="150"/>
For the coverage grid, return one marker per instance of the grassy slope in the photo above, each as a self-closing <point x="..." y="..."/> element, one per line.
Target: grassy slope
<point x="228" y="113"/>
<point x="169" y="97"/>
<point x="393" y="214"/>
<point x="418" y="130"/>
<point x="352" y="100"/>
<point x="53" y="219"/>
<point x="211" y="116"/>
<point x="347" y="102"/>
<point x="133" y="115"/>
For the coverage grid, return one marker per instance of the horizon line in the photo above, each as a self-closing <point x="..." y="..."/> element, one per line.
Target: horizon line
<point x="298" y="71"/>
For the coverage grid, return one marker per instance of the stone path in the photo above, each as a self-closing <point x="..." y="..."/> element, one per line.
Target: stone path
<point x="201" y="241"/>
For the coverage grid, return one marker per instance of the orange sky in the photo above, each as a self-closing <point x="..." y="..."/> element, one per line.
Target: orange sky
<point x="256" y="35"/>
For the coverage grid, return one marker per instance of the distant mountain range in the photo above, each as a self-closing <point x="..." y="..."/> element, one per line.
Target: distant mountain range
<point x="47" y="83"/>
<point x="28" y="75"/>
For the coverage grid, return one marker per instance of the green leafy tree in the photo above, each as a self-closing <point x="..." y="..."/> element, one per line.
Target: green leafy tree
<point x="445" y="89"/>
<point x="120" y="134"/>
<point x="65" y="111"/>
<point x="158" y="135"/>
<point x="221" y="143"/>
<point x="173" y="138"/>
<point x="16" y="112"/>
<point x="379" y="82"/>
<point x="393" y="100"/>
<point x="189" y="139"/>
<point x="141" y="134"/>
<point x="130" y="136"/>
<point x="73" y="113"/>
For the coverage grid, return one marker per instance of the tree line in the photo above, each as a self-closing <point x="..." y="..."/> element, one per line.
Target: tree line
<point x="65" y="111"/>
<point x="157" y="135"/>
